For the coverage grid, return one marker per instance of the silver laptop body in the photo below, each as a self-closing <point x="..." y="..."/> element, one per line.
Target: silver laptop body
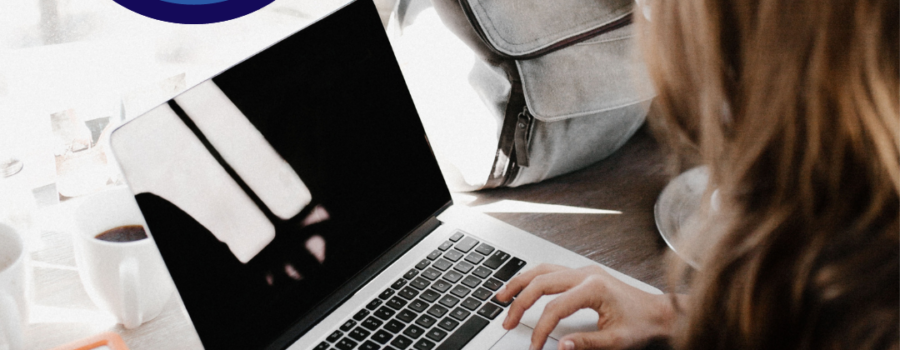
<point x="297" y="205"/>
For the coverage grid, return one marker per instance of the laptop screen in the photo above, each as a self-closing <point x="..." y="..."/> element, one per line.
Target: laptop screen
<point x="273" y="184"/>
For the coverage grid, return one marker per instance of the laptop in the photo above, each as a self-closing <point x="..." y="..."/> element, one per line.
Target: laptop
<point x="297" y="205"/>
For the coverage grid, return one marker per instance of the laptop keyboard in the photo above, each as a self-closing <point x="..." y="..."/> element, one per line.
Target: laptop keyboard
<point x="441" y="303"/>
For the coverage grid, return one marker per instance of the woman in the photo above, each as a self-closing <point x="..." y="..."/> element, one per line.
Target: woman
<point x="795" y="107"/>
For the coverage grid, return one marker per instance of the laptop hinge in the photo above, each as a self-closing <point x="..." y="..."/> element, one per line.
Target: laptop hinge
<point x="442" y="209"/>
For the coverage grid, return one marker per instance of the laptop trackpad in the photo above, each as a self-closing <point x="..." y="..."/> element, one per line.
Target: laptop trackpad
<point x="584" y="320"/>
<point x="520" y="338"/>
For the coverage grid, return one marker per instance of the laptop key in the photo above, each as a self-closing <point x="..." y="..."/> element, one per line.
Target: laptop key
<point x="394" y="326"/>
<point x="374" y="304"/>
<point x="425" y="321"/>
<point x="498" y="302"/>
<point x="423" y="264"/>
<point x="456" y="236"/>
<point x="382" y="336"/>
<point x="493" y="284"/>
<point x="442" y="264"/>
<point x="453" y="255"/>
<point x="463" y="267"/>
<point x="431" y="274"/>
<point x="384" y="313"/>
<point x="496" y="260"/>
<point x="460" y="313"/>
<point x="406" y="316"/>
<point x="434" y="255"/>
<point x="480" y="271"/>
<point x="369" y="345"/>
<point x="419" y="283"/>
<point x="436" y="334"/>
<point x="396" y="303"/>
<point x="510" y="269"/>
<point x="400" y="283"/>
<point x="413" y="331"/>
<point x="430" y="295"/>
<point x="359" y="334"/>
<point x="466" y="244"/>
<point x="401" y="342"/>
<point x="418" y="305"/>
<point x="347" y="326"/>
<point x="437" y="311"/>
<point x="424" y="344"/>
<point x="449" y="301"/>
<point x="471" y="281"/>
<point x="408" y="293"/>
<point x="490" y="311"/>
<point x="361" y="315"/>
<point x="335" y="336"/>
<point x="345" y="344"/>
<point x="446" y="245"/>
<point x="410" y="274"/>
<point x="482" y="294"/>
<point x="452" y="276"/>
<point x="484" y="249"/>
<point x="464" y="334"/>
<point x="471" y="303"/>
<point x="386" y="294"/>
<point x="372" y="323"/>
<point x="474" y="258"/>
<point x="448" y="324"/>
<point x="441" y="285"/>
<point x="460" y="291"/>
<point x="321" y="346"/>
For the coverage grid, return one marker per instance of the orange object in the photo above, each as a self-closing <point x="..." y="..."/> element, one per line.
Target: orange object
<point x="109" y="339"/>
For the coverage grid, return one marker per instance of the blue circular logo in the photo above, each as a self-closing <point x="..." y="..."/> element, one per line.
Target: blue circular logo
<point x="194" y="11"/>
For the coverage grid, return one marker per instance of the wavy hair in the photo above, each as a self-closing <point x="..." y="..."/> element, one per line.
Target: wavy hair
<point x="795" y="108"/>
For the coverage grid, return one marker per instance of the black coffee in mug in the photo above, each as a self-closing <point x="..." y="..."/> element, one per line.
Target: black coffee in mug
<point x="127" y="233"/>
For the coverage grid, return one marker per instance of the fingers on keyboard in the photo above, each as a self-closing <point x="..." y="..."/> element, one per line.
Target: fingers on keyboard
<point x="441" y="303"/>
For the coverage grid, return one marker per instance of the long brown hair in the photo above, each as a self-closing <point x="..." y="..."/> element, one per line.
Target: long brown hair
<point x="795" y="107"/>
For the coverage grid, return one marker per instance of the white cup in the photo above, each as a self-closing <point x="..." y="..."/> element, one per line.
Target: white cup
<point x="126" y="279"/>
<point x="12" y="288"/>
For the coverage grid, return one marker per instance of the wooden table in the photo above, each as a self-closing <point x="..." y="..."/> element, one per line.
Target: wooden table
<point x="629" y="181"/>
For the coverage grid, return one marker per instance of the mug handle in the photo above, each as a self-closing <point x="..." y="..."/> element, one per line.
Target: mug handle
<point x="9" y="321"/>
<point x="130" y="287"/>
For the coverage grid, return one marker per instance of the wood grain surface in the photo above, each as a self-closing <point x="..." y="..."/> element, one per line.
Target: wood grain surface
<point x="629" y="181"/>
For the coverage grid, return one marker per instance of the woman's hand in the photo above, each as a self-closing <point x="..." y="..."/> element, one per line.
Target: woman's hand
<point x="628" y="316"/>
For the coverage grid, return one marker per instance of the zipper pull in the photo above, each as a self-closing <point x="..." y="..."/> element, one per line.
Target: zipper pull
<point x="523" y="126"/>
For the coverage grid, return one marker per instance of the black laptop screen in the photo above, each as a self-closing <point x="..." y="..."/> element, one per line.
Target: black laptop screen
<point x="273" y="184"/>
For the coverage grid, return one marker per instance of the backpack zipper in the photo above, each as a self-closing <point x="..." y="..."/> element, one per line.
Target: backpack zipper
<point x="519" y="154"/>
<point x="522" y="136"/>
<point x="572" y="40"/>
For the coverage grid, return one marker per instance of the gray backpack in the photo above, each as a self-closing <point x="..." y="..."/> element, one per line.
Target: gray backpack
<point x="562" y="77"/>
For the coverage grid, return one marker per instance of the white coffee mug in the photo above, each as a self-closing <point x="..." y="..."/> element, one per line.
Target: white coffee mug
<point x="127" y="279"/>
<point x="12" y="288"/>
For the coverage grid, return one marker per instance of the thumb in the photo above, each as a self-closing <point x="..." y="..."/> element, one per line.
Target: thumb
<point x="590" y="340"/>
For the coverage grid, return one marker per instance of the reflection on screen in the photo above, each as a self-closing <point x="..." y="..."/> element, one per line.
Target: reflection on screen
<point x="274" y="184"/>
<point x="245" y="149"/>
<point x="182" y="171"/>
